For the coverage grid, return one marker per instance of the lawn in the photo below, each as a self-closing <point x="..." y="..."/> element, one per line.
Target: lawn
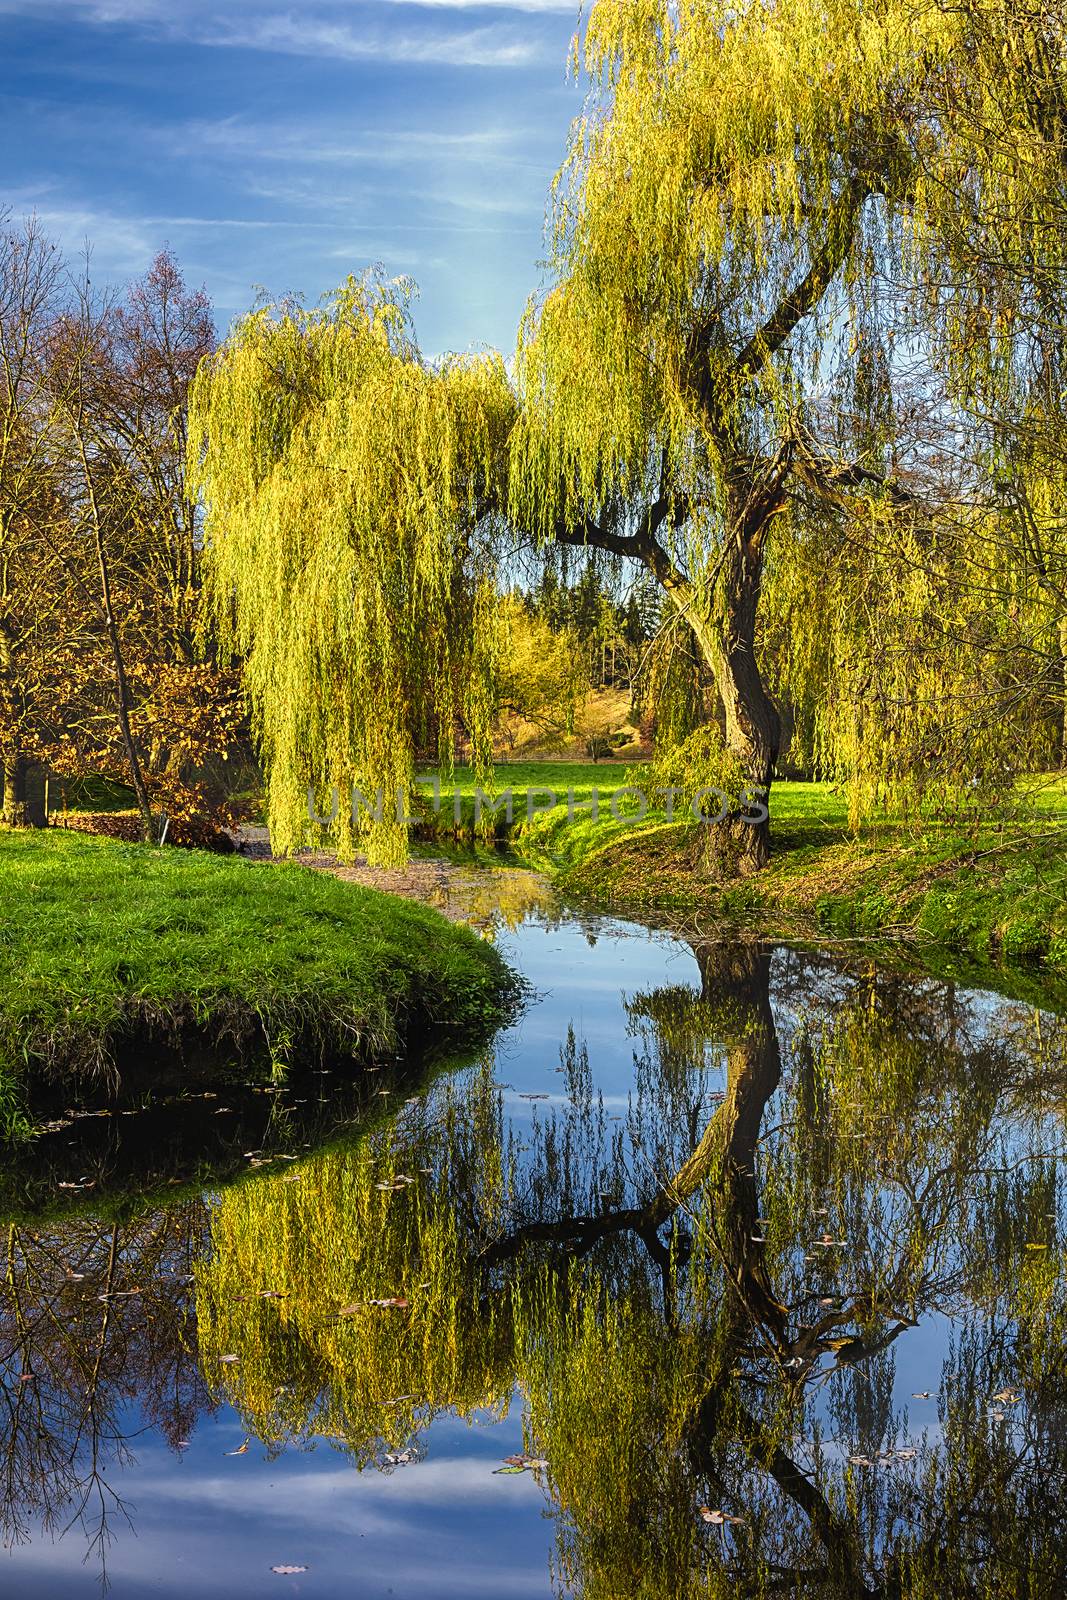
<point x="107" y="949"/>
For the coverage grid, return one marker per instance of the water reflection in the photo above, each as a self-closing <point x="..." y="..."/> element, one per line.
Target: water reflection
<point x="699" y="1298"/>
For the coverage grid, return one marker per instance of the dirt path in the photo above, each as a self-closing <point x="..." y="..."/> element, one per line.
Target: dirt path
<point x="463" y="891"/>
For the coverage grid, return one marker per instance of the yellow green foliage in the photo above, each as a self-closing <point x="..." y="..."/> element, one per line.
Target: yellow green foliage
<point x="344" y="481"/>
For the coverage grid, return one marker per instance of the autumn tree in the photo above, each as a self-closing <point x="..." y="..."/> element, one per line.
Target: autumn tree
<point x="34" y="590"/>
<point x="105" y="666"/>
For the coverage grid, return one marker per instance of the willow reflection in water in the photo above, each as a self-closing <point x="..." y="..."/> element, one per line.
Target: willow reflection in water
<point x="700" y="1301"/>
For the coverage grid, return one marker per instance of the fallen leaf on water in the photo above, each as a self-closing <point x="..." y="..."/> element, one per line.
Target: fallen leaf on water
<point x="1007" y="1397"/>
<point x="922" y="1394"/>
<point x="287" y="1571"/>
<point x="229" y="1360"/>
<point x="861" y="1461"/>
<point x="242" y="1449"/>
<point x="521" y="1463"/>
<point x="716" y="1518"/>
<point x="402" y="1458"/>
<point x="503" y="1472"/>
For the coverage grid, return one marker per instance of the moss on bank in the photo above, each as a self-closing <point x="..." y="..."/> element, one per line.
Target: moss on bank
<point x="108" y="951"/>
<point x="993" y="895"/>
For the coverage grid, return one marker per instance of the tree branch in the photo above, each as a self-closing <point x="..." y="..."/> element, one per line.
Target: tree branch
<point x="641" y="545"/>
<point x="802" y="300"/>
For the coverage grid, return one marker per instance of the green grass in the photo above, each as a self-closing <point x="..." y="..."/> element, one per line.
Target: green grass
<point x="995" y="893"/>
<point x="107" y="950"/>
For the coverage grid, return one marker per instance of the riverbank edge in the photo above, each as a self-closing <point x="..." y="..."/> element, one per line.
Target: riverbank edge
<point x="108" y="951"/>
<point x="999" y="899"/>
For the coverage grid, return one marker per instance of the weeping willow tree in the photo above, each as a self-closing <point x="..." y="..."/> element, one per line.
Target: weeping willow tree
<point x="348" y="489"/>
<point x="752" y="195"/>
<point x="751" y="199"/>
<point x="711" y="223"/>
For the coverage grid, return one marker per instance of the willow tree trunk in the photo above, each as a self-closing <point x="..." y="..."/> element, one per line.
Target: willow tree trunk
<point x="726" y="636"/>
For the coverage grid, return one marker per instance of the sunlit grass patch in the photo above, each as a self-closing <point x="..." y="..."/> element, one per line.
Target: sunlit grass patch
<point x="107" y="947"/>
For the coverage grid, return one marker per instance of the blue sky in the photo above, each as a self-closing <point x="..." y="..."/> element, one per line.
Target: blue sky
<point x="286" y="143"/>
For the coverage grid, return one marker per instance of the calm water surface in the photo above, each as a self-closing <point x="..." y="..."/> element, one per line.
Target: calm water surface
<point x="750" y="1258"/>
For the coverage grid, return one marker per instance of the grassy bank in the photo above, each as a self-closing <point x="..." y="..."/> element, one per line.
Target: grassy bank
<point x="109" y="953"/>
<point x="996" y="891"/>
<point x="993" y="895"/>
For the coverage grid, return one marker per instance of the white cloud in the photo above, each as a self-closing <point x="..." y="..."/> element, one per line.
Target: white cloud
<point x="307" y="36"/>
<point x="306" y="145"/>
<point x="340" y="32"/>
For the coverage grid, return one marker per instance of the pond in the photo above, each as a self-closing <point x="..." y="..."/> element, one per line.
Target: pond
<point x="734" y="1270"/>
